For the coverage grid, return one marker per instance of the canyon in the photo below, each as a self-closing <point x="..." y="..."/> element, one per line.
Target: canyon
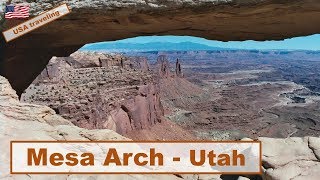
<point x="206" y="95"/>
<point x="280" y="156"/>
<point x="218" y="95"/>
<point x="241" y="93"/>
<point x="166" y="99"/>
<point x="35" y="122"/>
<point x="105" y="91"/>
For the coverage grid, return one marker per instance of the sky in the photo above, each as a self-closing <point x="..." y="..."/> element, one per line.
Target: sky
<point x="298" y="43"/>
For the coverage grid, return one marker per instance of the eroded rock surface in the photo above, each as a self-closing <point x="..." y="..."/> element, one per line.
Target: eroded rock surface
<point x="163" y="67"/>
<point x="22" y="121"/>
<point x="99" y="91"/>
<point x="178" y="69"/>
<point x="291" y="158"/>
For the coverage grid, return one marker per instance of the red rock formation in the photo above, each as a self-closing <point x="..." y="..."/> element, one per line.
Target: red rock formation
<point x="163" y="66"/>
<point x="178" y="69"/>
<point x="99" y="91"/>
<point x="139" y="112"/>
<point x="139" y="63"/>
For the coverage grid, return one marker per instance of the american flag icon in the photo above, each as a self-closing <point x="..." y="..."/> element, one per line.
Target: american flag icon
<point x="17" y="11"/>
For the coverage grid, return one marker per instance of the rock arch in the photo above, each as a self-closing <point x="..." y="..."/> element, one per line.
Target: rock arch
<point x="24" y="58"/>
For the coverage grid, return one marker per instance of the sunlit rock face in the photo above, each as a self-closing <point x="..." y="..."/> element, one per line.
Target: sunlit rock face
<point x="24" y="121"/>
<point x="93" y="21"/>
<point x="99" y="91"/>
<point x="291" y="158"/>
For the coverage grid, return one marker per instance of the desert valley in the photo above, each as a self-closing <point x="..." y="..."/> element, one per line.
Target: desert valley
<point x="162" y="70"/>
<point x="174" y="95"/>
<point x="270" y="96"/>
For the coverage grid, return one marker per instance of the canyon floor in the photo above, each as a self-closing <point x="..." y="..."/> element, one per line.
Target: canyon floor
<point x="109" y="95"/>
<point x="243" y="94"/>
<point x="248" y="94"/>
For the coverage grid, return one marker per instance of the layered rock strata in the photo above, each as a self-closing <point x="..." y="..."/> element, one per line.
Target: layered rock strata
<point x="291" y="158"/>
<point x="23" y="121"/>
<point x="99" y="91"/>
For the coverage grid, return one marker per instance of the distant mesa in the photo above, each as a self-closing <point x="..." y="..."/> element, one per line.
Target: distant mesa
<point x="153" y="46"/>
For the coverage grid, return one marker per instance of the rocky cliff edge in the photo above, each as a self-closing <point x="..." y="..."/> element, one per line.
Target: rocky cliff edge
<point x="22" y="121"/>
<point x="291" y="158"/>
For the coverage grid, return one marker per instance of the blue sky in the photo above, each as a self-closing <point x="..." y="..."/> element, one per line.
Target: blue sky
<point x="304" y="43"/>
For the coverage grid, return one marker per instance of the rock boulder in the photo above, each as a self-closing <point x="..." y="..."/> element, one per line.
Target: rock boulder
<point x="291" y="158"/>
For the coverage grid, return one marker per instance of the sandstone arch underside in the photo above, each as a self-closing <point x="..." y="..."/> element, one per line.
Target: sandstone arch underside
<point x="92" y="21"/>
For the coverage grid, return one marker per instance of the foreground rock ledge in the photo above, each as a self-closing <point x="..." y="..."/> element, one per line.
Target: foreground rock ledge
<point x="291" y="158"/>
<point x="90" y="21"/>
<point x="21" y="121"/>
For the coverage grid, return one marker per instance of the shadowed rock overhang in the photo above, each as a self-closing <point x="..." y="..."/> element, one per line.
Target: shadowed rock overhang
<point x="92" y="21"/>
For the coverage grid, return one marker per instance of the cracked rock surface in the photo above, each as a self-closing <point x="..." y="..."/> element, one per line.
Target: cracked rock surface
<point x="291" y="158"/>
